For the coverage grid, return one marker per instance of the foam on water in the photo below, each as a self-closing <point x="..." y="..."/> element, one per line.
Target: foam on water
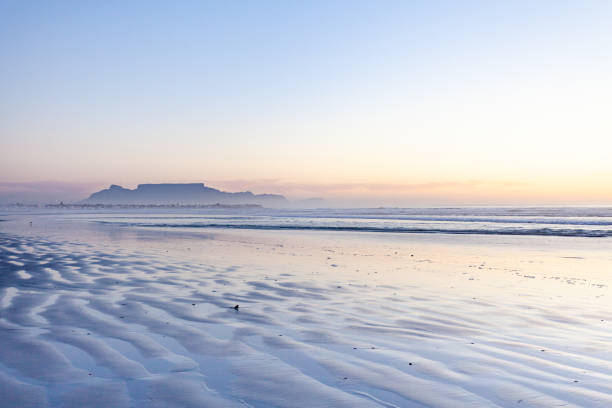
<point x="557" y="221"/>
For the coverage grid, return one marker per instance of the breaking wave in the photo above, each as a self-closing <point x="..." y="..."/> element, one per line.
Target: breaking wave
<point x="562" y="232"/>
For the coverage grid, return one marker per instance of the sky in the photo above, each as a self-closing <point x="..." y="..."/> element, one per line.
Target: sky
<point x="363" y="103"/>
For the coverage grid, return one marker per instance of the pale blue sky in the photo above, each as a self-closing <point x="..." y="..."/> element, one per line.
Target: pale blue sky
<point x="299" y="97"/>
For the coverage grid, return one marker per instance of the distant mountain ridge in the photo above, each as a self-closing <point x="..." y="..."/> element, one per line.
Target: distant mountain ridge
<point x="190" y="193"/>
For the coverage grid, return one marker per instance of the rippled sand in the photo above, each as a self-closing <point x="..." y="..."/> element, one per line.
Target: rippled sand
<point x="119" y="317"/>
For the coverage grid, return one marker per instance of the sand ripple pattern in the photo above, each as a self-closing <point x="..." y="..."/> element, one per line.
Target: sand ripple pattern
<point x="87" y="327"/>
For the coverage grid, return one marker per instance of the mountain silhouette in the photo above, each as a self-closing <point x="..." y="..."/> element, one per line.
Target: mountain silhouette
<point x="184" y="194"/>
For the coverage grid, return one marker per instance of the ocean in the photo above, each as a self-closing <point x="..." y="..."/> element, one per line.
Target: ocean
<point x="547" y="221"/>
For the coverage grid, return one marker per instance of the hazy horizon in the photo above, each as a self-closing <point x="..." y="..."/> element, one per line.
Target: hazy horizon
<point x="359" y="103"/>
<point x="55" y="192"/>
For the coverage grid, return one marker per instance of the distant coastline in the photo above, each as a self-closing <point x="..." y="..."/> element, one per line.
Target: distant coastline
<point x="181" y="194"/>
<point x="81" y="206"/>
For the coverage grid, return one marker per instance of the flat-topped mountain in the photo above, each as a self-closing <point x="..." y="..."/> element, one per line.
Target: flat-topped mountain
<point x="191" y="193"/>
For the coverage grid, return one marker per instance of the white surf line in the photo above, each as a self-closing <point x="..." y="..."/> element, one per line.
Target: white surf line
<point x="23" y="274"/>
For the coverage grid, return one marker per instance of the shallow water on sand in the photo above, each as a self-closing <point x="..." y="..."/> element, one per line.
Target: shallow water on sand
<point x="111" y="315"/>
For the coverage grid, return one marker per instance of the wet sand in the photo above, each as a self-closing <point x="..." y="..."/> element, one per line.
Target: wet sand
<point x="94" y="315"/>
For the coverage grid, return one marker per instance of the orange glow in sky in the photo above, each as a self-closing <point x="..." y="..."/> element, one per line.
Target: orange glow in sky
<point x="431" y="104"/>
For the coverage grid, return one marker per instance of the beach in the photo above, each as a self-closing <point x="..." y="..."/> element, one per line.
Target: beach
<point x="175" y="310"/>
<point x="305" y="204"/>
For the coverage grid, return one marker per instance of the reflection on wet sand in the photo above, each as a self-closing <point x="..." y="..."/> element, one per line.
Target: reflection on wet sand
<point x="322" y="321"/>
